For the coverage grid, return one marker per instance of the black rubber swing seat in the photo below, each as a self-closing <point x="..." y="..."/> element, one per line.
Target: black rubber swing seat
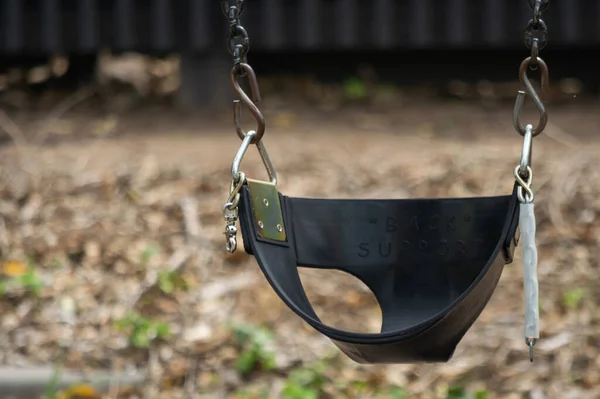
<point x="432" y="264"/>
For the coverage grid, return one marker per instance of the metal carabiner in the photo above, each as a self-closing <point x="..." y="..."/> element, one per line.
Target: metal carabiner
<point x="526" y="152"/>
<point x="250" y="104"/>
<point x="264" y="155"/>
<point x="534" y="96"/>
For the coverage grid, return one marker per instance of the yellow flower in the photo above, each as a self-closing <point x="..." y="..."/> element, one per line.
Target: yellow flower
<point x="79" y="391"/>
<point x="13" y="268"/>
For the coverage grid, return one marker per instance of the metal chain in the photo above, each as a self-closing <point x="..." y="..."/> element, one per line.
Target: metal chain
<point x="238" y="45"/>
<point x="536" y="33"/>
<point x="239" y="42"/>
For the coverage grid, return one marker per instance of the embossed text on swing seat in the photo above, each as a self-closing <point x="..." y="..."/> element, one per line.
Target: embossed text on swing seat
<point x="441" y="245"/>
<point x="399" y="233"/>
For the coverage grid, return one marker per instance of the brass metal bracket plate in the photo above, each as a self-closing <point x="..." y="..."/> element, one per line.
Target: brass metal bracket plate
<point x="266" y="208"/>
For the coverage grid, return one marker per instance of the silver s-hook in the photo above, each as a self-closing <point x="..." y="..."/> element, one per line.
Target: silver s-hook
<point x="249" y="103"/>
<point x="529" y="89"/>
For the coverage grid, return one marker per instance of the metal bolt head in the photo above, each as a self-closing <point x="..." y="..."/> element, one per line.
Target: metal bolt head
<point x="261" y="224"/>
<point x="279" y="228"/>
<point x="266" y="202"/>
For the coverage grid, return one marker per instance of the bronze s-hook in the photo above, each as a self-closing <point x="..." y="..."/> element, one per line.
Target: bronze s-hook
<point x="251" y="105"/>
<point x="534" y="96"/>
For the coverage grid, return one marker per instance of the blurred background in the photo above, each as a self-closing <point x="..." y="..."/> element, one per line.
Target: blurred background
<point x="116" y="143"/>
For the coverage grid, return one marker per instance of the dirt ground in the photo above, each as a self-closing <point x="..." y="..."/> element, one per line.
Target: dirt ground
<point x="119" y="214"/>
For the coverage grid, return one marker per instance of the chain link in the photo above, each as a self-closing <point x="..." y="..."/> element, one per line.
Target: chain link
<point x="239" y="41"/>
<point x="536" y="32"/>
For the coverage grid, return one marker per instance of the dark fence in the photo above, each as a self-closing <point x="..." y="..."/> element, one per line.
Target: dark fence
<point x="300" y="29"/>
<point x="36" y="27"/>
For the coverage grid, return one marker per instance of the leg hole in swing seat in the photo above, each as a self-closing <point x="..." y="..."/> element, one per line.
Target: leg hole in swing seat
<point x="341" y="300"/>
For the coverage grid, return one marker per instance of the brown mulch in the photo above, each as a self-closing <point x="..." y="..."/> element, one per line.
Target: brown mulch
<point x="101" y="221"/>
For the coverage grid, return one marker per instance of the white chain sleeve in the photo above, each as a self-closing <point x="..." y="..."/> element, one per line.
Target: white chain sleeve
<point x="530" y="280"/>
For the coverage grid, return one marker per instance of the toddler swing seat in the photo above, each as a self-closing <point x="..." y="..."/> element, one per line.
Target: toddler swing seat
<point x="432" y="264"/>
